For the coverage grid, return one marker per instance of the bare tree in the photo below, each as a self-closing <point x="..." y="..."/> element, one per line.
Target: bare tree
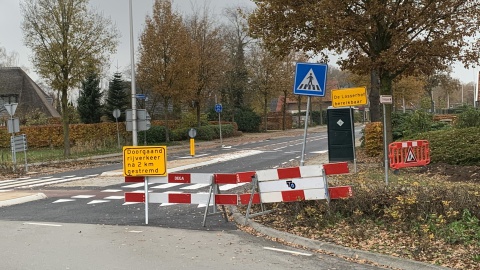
<point x="68" y="41"/>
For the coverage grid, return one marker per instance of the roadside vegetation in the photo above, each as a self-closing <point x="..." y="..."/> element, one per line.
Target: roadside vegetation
<point x="428" y="214"/>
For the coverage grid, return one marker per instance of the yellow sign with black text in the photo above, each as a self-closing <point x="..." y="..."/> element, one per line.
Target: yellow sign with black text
<point x="144" y="160"/>
<point x="347" y="97"/>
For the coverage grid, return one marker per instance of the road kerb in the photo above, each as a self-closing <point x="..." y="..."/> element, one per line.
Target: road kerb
<point x="12" y="198"/>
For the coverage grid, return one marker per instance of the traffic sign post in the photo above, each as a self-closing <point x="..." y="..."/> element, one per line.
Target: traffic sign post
<point x="192" y="133"/>
<point x="385" y="99"/>
<point x="218" y="109"/>
<point x="310" y="80"/>
<point x="116" y="113"/>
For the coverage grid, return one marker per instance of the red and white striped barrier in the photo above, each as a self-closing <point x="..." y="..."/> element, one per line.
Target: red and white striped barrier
<point x="300" y="183"/>
<point x="309" y="184"/>
<point x="295" y="184"/>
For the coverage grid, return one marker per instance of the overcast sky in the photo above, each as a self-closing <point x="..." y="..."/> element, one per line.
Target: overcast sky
<point x="117" y="10"/>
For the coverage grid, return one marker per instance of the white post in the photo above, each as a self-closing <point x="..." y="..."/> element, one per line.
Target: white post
<point x="146" y="199"/>
<point x="385" y="144"/>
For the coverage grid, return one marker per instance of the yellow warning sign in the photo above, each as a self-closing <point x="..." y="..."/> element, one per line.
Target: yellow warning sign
<point x="144" y="160"/>
<point x="347" y="97"/>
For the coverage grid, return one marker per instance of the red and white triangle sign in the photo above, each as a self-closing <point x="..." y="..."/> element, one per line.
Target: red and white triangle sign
<point x="410" y="156"/>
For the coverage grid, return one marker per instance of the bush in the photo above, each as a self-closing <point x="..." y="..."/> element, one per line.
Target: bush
<point x="372" y="139"/>
<point x="247" y="120"/>
<point x="409" y="124"/>
<point x="316" y="116"/>
<point x="190" y="120"/>
<point x="470" y="117"/>
<point x="156" y="135"/>
<point x="455" y="146"/>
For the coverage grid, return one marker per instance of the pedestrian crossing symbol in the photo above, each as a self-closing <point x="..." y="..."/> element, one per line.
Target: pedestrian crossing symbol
<point x="310" y="79"/>
<point x="309" y="82"/>
<point x="410" y="156"/>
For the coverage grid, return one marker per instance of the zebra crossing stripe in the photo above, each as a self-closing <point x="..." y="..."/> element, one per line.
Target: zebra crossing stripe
<point x="56" y="182"/>
<point x="114" y="198"/>
<point x="83" y="196"/>
<point x="26" y="183"/>
<point x="64" y="200"/>
<point x="97" y="201"/>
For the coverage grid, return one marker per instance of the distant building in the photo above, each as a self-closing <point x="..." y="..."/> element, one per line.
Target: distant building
<point x="316" y="102"/>
<point x="17" y="87"/>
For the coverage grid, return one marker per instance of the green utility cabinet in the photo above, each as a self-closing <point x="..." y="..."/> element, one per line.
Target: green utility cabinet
<point x="340" y="134"/>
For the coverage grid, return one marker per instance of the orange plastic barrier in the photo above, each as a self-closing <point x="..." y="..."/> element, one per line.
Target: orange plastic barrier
<point x="408" y="154"/>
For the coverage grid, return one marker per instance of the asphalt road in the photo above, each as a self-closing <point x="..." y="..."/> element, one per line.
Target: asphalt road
<point x="85" y="224"/>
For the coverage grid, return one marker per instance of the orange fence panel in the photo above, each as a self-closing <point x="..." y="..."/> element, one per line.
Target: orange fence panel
<point x="408" y="154"/>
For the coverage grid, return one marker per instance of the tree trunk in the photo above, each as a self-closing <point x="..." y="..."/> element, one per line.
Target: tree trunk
<point x="374" y="97"/>
<point x="197" y="106"/>
<point x="381" y="84"/>
<point x="165" y="109"/>
<point x="65" y="123"/>
<point x="284" y="112"/>
<point x="432" y="102"/>
<point x="265" y="112"/>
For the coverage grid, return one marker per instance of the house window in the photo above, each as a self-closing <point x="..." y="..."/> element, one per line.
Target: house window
<point x="8" y="99"/>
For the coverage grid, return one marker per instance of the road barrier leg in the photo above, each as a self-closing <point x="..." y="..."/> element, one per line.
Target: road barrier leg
<point x="214" y="189"/>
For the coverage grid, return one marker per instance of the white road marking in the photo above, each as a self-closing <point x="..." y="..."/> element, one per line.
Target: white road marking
<point x="98" y="201"/>
<point x="134" y="185"/>
<point x="288" y="251"/>
<point x="83" y="196"/>
<point x="114" y="198"/>
<point x="185" y="157"/>
<point x="129" y="203"/>
<point x="42" y="224"/>
<point x="64" y="200"/>
<point x="112" y="190"/>
<point x="319" y="152"/>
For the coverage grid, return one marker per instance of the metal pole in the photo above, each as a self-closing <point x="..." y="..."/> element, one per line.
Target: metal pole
<point x="385" y="144"/>
<point x="220" y="125"/>
<point x="353" y="140"/>
<point x="118" y="133"/>
<point x="302" y="160"/>
<point x="134" y="99"/>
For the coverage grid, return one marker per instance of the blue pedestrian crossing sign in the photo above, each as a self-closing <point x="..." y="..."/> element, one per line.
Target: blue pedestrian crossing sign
<point x="310" y="79"/>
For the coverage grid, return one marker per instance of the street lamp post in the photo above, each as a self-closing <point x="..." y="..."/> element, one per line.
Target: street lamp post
<point x="132" y="63"/>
